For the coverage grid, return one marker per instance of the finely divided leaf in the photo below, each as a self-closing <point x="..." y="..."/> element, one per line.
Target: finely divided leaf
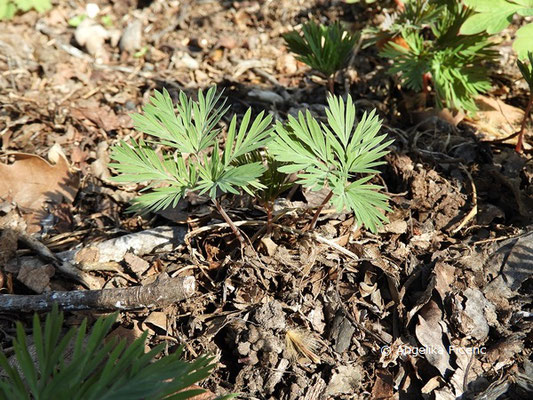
<point x="335" y="155"/>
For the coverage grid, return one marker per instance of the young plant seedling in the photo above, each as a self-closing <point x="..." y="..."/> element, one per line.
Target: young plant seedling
<point x="452" y="62"/>
<point x="81" y="366"/>
<point x="527" y="72"/>
<point x="195" y="161"/>
<point x="8" y="8"/>
<point x="341" y="155"/>
<point x="323" y="48"/>
<point x="273" y="181"/>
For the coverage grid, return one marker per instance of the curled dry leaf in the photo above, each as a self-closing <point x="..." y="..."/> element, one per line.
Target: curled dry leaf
<point x="430" y="331"/>
<point x="31" y="182"/>
<point x="495" y="120"/>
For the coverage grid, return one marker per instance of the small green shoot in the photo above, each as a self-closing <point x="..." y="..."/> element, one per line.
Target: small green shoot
<point x="274" y="182"/>
<point x="8" y="8"/>
<point x="526" y="69"/>
<point x="341" y="155"/>
<point x="195" y="161"/>
<point x="80" y="366"/>
<point x="324" y="48"/>
<point x="453" y="63"/>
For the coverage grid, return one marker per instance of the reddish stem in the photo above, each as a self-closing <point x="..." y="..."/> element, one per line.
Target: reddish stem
<point x="229" y="222"/>
<point x="312" y="224"/>
<point x="268" y="207"/>
<point x="425" y="82"/>
<point x="400" y="5"/>
<point x="331" y="84"/>
<point x="518" y="147"/>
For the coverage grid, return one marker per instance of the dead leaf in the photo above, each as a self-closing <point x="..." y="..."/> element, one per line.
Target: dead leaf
<point x="207" y="395"/>
<point x="129" y="335"/>
<point x="472" y="320"/>
<point x="136" y="264"/>
<point x="397" y="227"/>
<point x="31" y="182"/>
<point x="346" y="379"/>
<point x="37" y="278"/>
<point x="445" y="276"/>
<point x="495" y="119"/>
<point x="101" y="115"/>
<point x="429" y="332"/>
<point x="156" y="321"/>
<point x="383" y="386"/>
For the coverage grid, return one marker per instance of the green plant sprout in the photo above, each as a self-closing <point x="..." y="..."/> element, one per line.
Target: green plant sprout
<point x="324" y="48"/>
<point x="493" y="16"/>
<point x="526" y="69"/>
<point x="453" y="62"/>
<point x="274" y="182"/>
<point x="341" y="156"/>
<point x="8" y="8"/>
<point x="89" y="367"/>
<point x="195" y="162"/>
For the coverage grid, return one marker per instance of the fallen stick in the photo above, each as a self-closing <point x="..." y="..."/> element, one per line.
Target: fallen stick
<point x="163" y="292"/>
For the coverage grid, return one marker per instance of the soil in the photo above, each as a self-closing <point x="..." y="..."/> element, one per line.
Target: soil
<point x="437" y="305"/>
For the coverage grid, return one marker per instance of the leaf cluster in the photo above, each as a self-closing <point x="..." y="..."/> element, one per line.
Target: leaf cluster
<point x="454" y="62"/>
<point x="324" y="48"/>
<point x="196" y="161"/>
<point x="417" y="15"/>
<point x="8" y="8"/>
<point x="342" y="155"/>
<point x="493" y="16"/>
<point x="97" y="369"/>
<point x="274" y="181"/>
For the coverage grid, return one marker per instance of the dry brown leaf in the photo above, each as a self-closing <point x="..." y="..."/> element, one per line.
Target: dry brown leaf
<point x="429" y="332"/>
<point x="495" y="119"/>
<point x="383" y="386"/>
<point x="38" y="278"/>
<point x="101" y="115"/>
<point x="129" y="335"/>
<point x="155" y="321"/>
<point x="136" y="264"/>
<point x="445" y="277"/>
<point x="31" y="182"/>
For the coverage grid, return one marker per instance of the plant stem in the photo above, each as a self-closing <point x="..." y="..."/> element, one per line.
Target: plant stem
<point x="229" y="222"/>
<point x="331" y="84"/>
<point x="400" y="5"/>
<point x="518" y="147"/>
<point x="268" y="207"/>
<point x="312" y="224"/>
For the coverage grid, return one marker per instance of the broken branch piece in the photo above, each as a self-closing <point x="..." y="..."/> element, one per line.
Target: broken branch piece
<point x="163" y="292"/>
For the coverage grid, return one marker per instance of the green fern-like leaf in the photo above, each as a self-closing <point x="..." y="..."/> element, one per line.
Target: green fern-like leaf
<point x="453" y="61"/>
<point x="196" y="162"/>
<point x="273" y="182"/>
<point x="96" y="370"/>
<point x="8" y="8"/>
<point x="526" y="69"/>
<point x="324" y="48"/>
<point x="336" y="155"/>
